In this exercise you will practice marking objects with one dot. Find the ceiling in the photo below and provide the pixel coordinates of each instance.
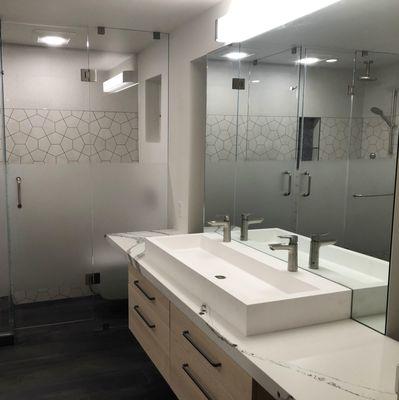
(113, 40)
(150, 15)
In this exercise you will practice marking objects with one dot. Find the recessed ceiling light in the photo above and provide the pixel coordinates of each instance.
(255, 81)
(53, 40)
(309, 60)
(236, 55)
(332, 60)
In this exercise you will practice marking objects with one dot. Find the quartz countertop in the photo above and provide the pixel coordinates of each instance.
(341, 360)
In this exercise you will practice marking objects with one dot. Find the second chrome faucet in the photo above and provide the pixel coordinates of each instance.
(246, 221)
(292, 248)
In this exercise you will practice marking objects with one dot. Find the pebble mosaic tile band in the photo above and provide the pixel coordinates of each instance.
(66, 136)
(274, 138)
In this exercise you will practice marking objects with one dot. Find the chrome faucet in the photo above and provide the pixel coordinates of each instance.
(317, 241)
(245, 222)
(226, 224)
(292, 248)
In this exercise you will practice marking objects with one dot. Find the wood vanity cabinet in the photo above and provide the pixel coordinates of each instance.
(194, 366)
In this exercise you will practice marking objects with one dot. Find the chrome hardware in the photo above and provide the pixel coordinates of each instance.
(309, 186)
(245, 222)
(88, 75)
(19, 192)
(292, 248)
(359, 196)
(187, 336)
(137, 284)
(148, 323)
(289, 174)
(187, 370)
(226, 224)
(317, 241)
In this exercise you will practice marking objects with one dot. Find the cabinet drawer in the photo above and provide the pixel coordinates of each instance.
(149, 342)
(144, 291)
(210, 367)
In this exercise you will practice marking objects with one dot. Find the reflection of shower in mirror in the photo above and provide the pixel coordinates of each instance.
(391, 122)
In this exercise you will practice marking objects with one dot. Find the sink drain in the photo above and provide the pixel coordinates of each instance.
(220, 277)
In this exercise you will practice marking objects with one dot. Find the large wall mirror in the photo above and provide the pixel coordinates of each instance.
(305, 136)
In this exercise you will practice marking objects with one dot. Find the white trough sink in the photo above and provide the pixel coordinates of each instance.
(250, 290)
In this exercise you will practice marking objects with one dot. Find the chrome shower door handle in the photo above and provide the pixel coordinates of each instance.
(309, 184)
(289, 174)
(19, 192)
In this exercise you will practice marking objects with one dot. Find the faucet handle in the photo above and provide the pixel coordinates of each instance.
(293, 239)
(245, 217)
(318, 236)
(226, 217)
(225, 221)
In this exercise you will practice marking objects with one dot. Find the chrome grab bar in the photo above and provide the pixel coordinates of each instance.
(19, 192)
(360, 196)
(288, 192)
(308, 190)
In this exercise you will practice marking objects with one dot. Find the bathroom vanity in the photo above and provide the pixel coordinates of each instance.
(180, 315)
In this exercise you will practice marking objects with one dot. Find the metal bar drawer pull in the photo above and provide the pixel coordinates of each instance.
(186, 369)
(148, 323)
(187, 336)
(137, 284)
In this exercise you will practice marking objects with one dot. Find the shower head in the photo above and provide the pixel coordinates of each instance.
(380, 113)
(367, 74)
(376, 110)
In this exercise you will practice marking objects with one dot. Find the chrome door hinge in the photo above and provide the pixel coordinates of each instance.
(88, 75)
(351, 90)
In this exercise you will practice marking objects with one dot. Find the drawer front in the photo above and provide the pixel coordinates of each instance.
(149, 342)
(151, 319)
(210, 366)
(144, 291)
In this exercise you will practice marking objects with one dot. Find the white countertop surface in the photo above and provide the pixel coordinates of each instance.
(339, 360)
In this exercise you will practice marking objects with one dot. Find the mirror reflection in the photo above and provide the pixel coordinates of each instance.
(306, 144)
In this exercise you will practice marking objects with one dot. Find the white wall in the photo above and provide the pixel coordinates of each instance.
(42, 77)
(325, 93)
(187, 106)
(152, 62)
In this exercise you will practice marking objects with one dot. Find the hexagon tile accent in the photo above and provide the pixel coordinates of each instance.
(66, 136)
(258, 137)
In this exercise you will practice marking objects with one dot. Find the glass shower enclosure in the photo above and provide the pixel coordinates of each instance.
(78, 164)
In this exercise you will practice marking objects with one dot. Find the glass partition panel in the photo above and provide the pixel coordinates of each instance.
(48, 173)
(129, 136)
(225, 85)
(371, 180)
(5, 289)
(266, 178)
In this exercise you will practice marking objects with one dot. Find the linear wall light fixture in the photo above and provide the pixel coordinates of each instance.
(121, 81)
(249, 18)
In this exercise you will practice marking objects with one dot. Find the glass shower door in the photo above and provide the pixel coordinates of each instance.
(6, 320)
(326, 128)
(49, 183)
(266, 182)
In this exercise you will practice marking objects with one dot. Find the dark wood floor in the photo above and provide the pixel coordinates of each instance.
(79, 361)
